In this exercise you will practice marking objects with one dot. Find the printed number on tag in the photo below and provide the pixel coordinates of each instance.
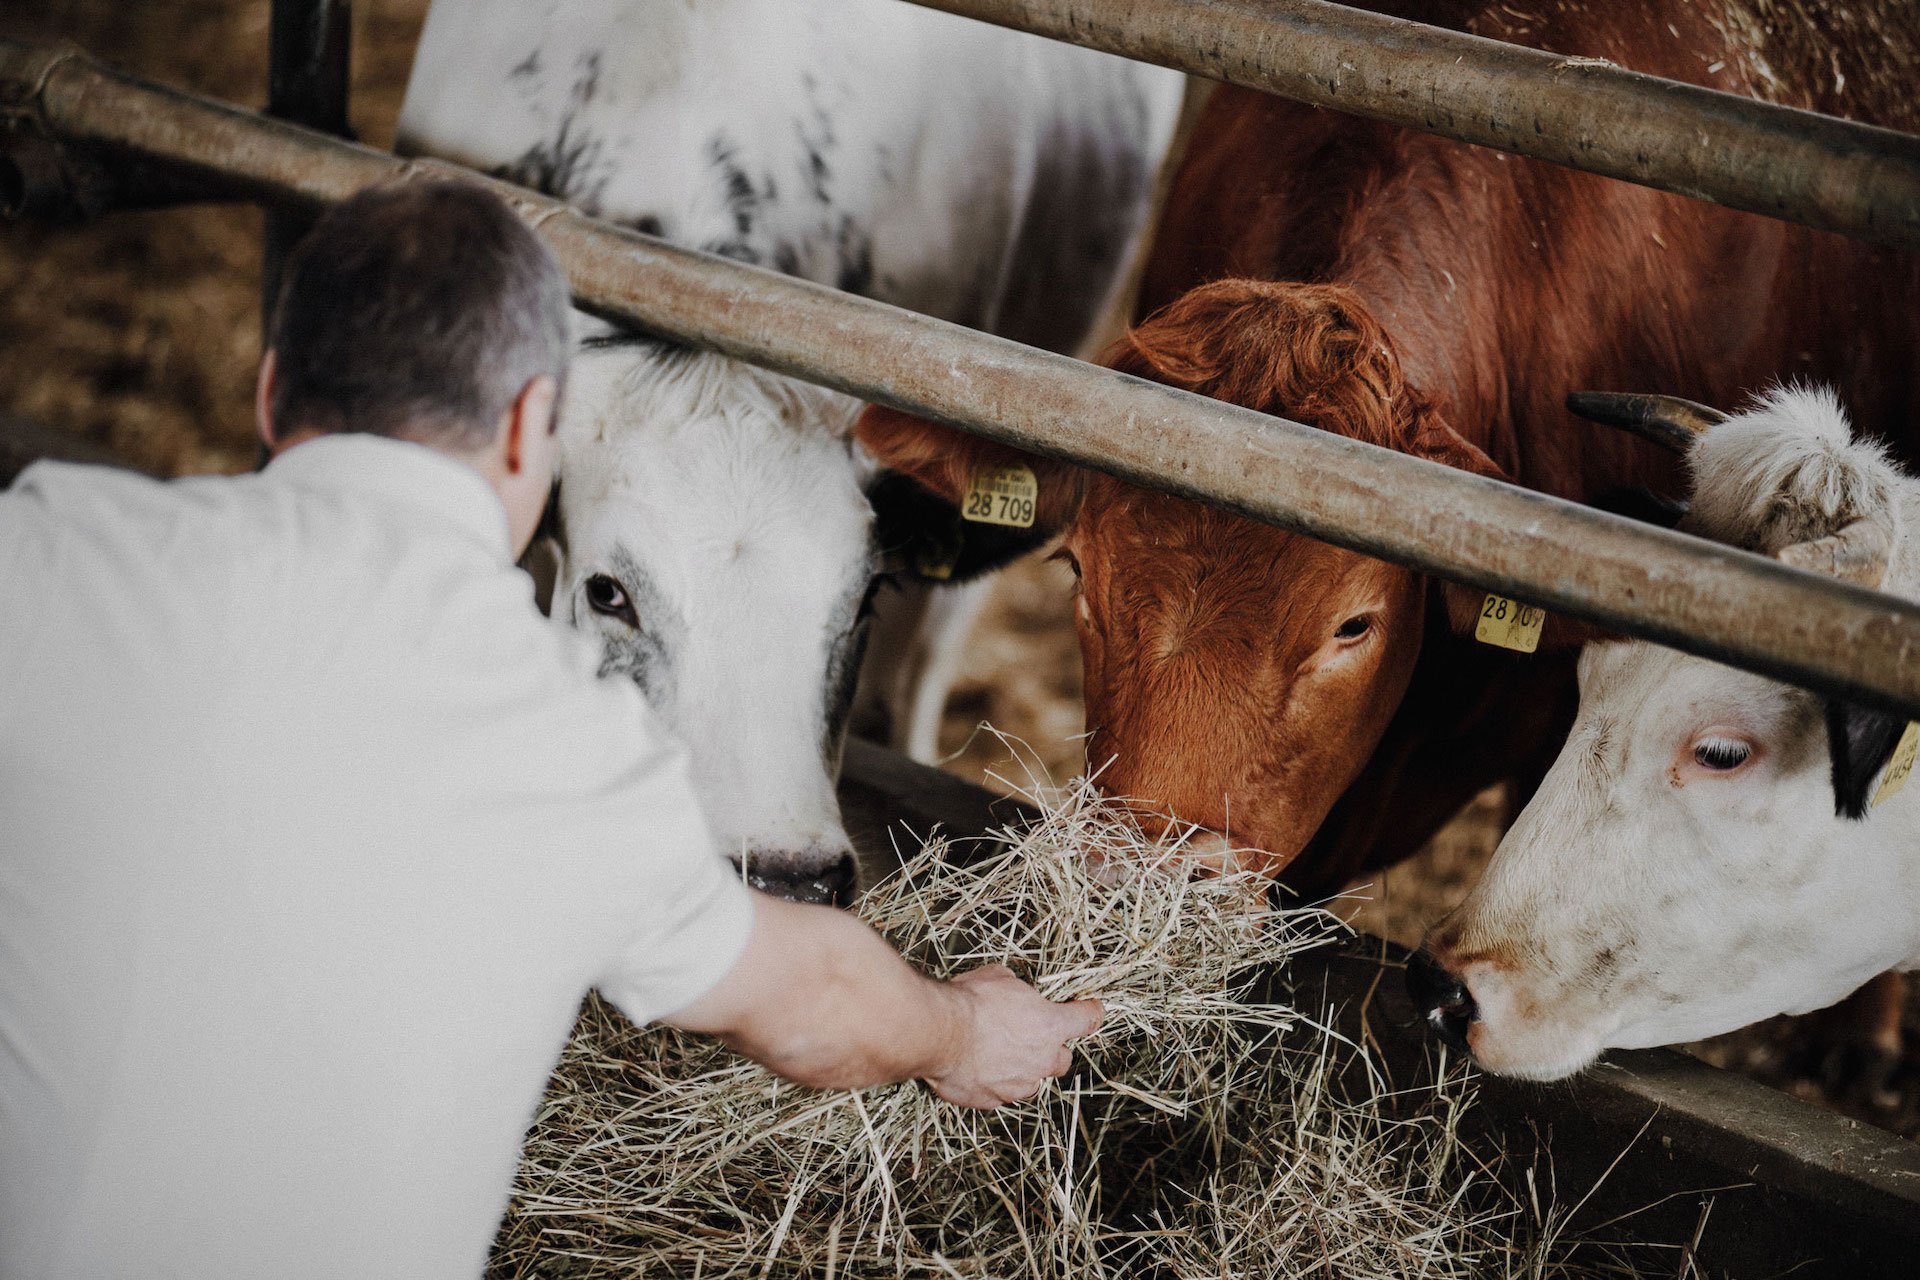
(1899, 765)
(1509, 624)
(1004, 495)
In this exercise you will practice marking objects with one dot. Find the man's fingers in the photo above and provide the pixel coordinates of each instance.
(1080, 1018)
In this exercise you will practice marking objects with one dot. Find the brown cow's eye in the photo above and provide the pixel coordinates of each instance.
(1721, 754)
(608, 597)
(1354, 628)
(1072, 561)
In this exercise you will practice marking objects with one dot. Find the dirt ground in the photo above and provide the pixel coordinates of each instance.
(141, 332)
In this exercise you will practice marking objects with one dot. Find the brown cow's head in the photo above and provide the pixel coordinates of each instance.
(1237, 674)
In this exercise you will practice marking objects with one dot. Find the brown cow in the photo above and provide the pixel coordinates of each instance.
(1439, 299)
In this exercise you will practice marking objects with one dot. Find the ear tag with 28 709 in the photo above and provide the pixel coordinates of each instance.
(1002, 495)
(1509, 624)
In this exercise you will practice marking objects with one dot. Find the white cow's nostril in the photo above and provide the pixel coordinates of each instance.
(814, 875)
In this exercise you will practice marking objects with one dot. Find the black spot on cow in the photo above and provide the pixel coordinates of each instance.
(649, 224)
(738, 250)
(856, 258)
(817, 173)
(736, 188)
(644, 656)
(569, 167)
(586, 85)
(571, 164)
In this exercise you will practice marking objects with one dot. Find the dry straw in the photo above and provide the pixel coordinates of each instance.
(1202, 1134)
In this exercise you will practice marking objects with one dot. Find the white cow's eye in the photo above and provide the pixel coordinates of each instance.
(1721, 754)
(606, 596)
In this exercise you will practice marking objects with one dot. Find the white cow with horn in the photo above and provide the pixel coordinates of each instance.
(718, 531)
(1711, 847)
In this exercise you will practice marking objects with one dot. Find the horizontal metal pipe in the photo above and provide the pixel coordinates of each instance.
(1585, 113)
(1686, 592)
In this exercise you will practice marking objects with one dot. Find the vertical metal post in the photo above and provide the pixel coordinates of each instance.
(308, 44)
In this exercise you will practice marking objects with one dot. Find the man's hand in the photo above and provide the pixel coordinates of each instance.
(1012, 1039)
(822, 999)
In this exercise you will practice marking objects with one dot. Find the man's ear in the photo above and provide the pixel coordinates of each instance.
(263, 389)
(930, 472)
(1861, 742)
(530, 419)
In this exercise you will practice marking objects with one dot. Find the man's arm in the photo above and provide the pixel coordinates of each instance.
(820, 998)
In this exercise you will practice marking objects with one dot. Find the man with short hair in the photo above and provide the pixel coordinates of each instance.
(313, 832)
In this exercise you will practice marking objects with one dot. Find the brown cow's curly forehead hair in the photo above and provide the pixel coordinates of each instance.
(1310, 352)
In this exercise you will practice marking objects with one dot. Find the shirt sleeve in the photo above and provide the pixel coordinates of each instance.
(698, 914)
(695, 941)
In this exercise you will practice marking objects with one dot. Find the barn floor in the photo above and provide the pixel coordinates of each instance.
(141, 332)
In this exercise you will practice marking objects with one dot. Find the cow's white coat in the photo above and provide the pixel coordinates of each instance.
(948, 166)
(1643, 898)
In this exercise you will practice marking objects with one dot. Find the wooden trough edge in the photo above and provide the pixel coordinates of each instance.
(1792, 1187)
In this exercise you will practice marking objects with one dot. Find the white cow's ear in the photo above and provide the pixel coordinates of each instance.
(921, 535)
(1861, 742)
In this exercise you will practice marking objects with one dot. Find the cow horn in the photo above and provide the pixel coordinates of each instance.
(1858, 553)
(1668, 421)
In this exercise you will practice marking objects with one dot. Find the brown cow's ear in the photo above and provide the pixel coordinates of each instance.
(1636, 502)
(946, 461)
(1432, 439)
(1435, 441)
(918, 509)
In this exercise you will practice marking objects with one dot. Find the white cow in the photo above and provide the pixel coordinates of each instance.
(1706, 851)
(718, 529)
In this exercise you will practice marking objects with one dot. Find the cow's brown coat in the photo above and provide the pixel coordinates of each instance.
(1440, 299)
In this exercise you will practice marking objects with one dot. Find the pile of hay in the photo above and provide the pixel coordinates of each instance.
(1200, 1134)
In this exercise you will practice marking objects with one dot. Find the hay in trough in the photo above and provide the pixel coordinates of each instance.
(1203, 1133)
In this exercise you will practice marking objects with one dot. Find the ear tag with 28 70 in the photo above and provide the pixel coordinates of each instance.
(1509, 624)
(1002, 495)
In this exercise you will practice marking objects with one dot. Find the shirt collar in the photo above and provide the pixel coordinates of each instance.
(401, 472)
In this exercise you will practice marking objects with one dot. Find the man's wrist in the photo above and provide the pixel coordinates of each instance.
(952, 1033)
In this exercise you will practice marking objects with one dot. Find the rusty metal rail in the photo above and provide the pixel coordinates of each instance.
(309, 65)
(1584, 113)
(1683, 591)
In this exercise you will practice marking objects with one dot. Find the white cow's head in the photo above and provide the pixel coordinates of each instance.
(718, 531)
(1705, 851)
(715, 538)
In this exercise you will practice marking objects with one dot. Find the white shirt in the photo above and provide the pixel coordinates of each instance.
(313, 833)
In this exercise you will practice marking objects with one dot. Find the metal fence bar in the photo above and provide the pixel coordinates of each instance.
(1686, 592)
(1585, 113)
(309, 72)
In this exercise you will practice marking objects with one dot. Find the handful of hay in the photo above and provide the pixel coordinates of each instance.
(1200, 1134)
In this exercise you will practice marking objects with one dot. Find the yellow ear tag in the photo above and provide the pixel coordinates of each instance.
(1003, 495)
(1899, 765)
(937, 565)
(1509, 624)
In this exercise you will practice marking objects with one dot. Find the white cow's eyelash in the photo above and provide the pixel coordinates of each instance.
(1721, 753)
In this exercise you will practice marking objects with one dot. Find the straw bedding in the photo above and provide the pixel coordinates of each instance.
(1201, 1134)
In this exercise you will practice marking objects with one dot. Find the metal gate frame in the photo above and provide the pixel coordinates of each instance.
(1679, 590)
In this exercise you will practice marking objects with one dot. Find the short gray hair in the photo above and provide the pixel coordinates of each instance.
(421, 308)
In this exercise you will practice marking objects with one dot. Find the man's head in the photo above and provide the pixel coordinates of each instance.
(426, 311)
